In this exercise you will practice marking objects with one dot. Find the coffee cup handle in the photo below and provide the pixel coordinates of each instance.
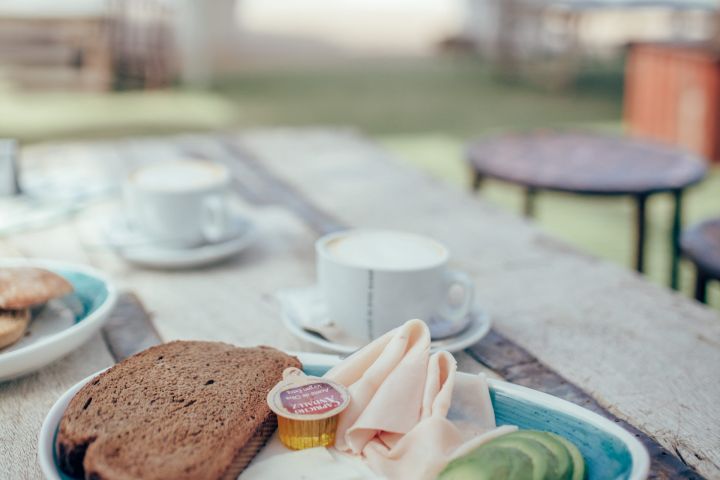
(215, 218)
(457, 313)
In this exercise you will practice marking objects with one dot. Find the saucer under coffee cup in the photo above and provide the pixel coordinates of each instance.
(373, 280)
(180, 203)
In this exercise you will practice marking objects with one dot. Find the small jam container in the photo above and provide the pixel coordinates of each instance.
(307, 409)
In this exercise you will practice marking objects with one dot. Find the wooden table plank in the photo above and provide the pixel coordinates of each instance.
(645, 354)
(129, 329)
(517, 365)
(503, 356)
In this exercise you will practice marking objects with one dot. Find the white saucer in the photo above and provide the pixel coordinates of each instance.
(139, 250)
(477, 327)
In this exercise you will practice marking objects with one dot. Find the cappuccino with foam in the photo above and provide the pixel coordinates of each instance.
(385, 250)
(375, 280)
(180, 203)
(179, 175)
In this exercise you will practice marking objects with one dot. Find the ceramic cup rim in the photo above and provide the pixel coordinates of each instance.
(322, 251)
(222, 182)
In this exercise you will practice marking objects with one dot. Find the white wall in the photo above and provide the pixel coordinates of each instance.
(366, 26)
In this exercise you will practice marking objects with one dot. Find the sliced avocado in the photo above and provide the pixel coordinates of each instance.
(521, 455)
(490, 464)
(560, 452)
(543, 461)
(577, 458)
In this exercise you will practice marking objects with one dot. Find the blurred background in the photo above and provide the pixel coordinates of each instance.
(421, 77)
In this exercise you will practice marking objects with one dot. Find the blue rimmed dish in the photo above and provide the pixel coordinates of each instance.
(610, 452)
(62, 325)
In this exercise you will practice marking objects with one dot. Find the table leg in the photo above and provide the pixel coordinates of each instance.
(529, 205)
(701, 286)
(477, 180)
(675, 240)
(640, 233)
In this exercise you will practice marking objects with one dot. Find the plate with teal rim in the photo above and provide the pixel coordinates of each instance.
(62, 325)
(610, 452)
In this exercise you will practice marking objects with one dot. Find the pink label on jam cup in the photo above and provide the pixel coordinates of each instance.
(311, 399)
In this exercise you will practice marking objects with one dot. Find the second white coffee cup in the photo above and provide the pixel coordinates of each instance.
(181, 203)
(375, 280)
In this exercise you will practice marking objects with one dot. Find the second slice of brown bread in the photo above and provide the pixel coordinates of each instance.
(182, 410)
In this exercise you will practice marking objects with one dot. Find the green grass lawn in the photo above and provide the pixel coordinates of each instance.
(423, 110)
(42, 116)
(458, 97)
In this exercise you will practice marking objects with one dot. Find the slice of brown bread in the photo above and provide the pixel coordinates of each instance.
(13, 324)
(23, 287)
(182, 410)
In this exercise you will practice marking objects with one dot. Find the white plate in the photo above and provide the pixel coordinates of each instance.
(145, 254)
(609, 451)
(64, 324)
(478, 326)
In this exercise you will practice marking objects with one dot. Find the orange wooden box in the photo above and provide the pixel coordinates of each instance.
(672, 94)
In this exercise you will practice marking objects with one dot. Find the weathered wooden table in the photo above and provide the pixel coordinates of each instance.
(591, 164)
(565, 322)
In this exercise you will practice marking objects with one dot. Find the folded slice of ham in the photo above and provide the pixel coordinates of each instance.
(400, 400)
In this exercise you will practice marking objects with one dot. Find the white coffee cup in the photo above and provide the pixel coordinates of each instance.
(180, 203)
(375, 280)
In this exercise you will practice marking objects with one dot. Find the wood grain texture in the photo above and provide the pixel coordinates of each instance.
(504, 357)
(129, 328)
(647, 355)
(517, 365)
(232, 302)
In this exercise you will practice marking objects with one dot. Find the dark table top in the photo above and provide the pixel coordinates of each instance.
(701, 244)
(587, 163)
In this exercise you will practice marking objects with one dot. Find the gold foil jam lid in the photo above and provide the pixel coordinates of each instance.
(300, 397)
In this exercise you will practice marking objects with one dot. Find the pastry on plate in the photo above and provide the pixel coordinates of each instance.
(13, 324)
(20, 289)
(181, 410)
(24, 287)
